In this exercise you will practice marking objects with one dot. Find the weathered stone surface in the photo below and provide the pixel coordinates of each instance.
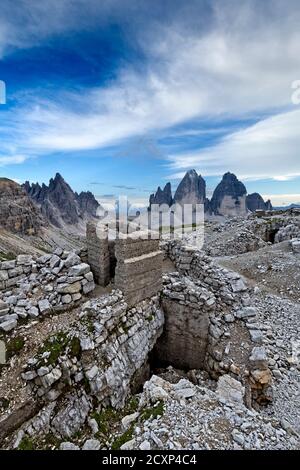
(59, 204)
(72, 260)
(68, 446)
(91, 444)
(79, 270)
(71, 418)
(44, 306)
(8, 325)
(69, 288)
(191, 189)
(230, 389)
(18, 214)
(129, 419)
(229, 197)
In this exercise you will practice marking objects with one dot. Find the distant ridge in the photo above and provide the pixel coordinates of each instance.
(59, 204)
(229, 197)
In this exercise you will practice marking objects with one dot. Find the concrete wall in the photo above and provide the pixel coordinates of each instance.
(139, 268)
(98, 253)
(184, 341)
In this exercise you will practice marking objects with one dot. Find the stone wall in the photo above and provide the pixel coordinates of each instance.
(98, 252)
(32, 287)
(139, 268)
(184, 341)
(212, 307)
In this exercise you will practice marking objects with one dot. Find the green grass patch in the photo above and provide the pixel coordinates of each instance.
(109, 419)
(88, 323)
(4, 403)
(148, 413)
(55, 345)
(52, 441)
(125, 437)
(14, 346)
(75, 348)
(7, 256)
(26, 444)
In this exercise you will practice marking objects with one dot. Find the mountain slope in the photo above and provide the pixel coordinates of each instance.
(60, 205)
(18, 214)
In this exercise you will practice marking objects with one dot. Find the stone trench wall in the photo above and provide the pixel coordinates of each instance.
(134, 260)
(139, 268)
(221, 331)
(100, 356)
(282, 227)
(32, 287)
(98, 252)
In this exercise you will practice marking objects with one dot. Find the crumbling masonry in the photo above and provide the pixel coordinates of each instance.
(138, 271)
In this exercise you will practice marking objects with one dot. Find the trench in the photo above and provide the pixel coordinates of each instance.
(182, 345)
(271, 234)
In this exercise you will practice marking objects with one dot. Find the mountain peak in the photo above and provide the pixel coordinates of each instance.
(231, 193)
(191, 189)
(59, 204)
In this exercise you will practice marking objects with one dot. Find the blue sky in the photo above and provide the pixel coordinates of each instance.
(120, 96)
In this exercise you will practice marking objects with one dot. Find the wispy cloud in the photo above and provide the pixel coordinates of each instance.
(121, 186)
(240, 63)
(268, 149)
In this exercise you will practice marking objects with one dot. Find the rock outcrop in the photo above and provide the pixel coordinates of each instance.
(191, 189)
(162, 196)
(268, 205)
(18, 214)
(255, 202)
(59, 204)
(229, 197)
(87, 203)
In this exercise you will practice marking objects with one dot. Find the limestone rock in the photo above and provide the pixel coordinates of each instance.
(230, 389)
(229, 197)
(91, 444)
(162, 196)
(191, 190)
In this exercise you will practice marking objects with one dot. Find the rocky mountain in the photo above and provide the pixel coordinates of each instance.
(87, 203)
(162, 196)
(255, 202)
(59, 204)
(18, 214)
(229, 197)
(191, 189)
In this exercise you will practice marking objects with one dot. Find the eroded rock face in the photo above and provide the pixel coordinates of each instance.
(87, 203)
(229, 197)
(191, 190)
(59, 204)
(18, 213)
(113, 343)
(255, 202)
(162, 196)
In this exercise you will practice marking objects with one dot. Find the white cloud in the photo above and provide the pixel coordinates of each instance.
(12, 159)
(268, 149)
(241, 64)
(283, 199)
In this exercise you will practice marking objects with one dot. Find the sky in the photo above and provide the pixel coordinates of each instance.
(121, 96)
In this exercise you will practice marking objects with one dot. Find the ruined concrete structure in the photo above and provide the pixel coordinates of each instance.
(98, 253)
(134, 261)
(138, 269)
